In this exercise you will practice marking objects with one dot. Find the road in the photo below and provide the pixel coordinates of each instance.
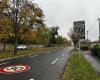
(47, 66)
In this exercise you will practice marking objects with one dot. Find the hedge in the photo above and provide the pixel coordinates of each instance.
(96, 50)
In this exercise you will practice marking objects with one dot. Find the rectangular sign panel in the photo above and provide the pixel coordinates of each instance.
(79, 29)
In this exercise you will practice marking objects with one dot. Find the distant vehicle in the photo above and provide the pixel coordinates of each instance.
(85, 44)
(22, 47)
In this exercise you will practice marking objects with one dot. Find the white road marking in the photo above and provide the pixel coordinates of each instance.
(55, 61)
(47, 52)
(34, 56)
(4, 63)
(31, 79)
(63, 54)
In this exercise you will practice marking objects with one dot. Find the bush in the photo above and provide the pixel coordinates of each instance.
(96, 50)
(85, 48)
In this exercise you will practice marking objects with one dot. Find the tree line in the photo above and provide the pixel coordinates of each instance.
(22, 21)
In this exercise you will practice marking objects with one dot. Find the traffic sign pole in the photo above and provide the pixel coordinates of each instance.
(79, 48)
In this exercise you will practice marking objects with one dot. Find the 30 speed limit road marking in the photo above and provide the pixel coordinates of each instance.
(14, 69)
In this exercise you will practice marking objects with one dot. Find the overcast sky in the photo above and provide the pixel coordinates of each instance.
(64, 12)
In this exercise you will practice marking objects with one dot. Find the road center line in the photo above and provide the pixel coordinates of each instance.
(4, 63)
(63, 54)
(55, 61)
(31, 79)
(34, 56)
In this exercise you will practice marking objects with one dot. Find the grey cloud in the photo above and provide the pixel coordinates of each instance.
(64, 12)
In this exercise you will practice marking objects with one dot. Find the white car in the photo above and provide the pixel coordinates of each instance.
(22, 47)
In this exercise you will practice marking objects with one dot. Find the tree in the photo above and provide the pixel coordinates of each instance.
(43, 36)
(5, 23)
(3, 5)
(73, 37)
(29, 36)
(5, 30)
(24, 14)
(54, 33)
(61, 41)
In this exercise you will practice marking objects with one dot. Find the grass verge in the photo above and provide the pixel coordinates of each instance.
(79, 69)
(27, 52)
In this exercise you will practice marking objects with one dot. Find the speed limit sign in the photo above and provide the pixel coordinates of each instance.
(14, 69)
(79, 29)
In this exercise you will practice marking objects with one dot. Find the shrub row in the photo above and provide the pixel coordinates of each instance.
(96, 50)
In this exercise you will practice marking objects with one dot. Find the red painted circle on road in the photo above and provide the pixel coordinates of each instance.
(14, 69)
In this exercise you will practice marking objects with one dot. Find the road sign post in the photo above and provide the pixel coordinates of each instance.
(79, 48)
(79, 30)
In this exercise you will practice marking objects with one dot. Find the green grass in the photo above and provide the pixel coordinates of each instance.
(26, 52)
(79, 69)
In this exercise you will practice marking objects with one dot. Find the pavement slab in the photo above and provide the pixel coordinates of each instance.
(93, 61)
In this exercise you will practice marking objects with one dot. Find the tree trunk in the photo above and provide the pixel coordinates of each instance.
(4, 46)
(75, 46)
(15, 46)
(43, 43)
(36, 44)
(16, 31)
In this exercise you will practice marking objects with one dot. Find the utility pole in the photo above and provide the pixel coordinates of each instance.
(99, 28)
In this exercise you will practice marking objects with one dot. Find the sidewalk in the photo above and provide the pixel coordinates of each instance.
(93, 61)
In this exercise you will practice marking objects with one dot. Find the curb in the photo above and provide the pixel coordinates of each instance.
(67, 63)
(27, 55)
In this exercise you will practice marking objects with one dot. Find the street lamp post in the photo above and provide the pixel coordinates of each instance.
(99, 28)
(87, 34)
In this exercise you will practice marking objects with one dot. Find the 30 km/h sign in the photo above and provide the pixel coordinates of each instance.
(14, 69)
(79, 29)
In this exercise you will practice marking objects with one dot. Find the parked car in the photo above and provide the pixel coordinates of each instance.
(22, 47)
(85, 45)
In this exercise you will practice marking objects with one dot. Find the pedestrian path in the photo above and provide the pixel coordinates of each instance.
(93, 61)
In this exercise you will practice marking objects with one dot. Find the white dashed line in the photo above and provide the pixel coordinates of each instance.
(55, 61)
(31, 79)
(47, 52)
(34, 56)
(4, 63)
(63, 54)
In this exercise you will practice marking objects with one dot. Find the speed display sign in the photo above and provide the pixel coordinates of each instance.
(14, 69)
(79, 29)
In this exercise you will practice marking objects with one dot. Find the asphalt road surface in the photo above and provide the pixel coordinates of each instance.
(48, 66)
